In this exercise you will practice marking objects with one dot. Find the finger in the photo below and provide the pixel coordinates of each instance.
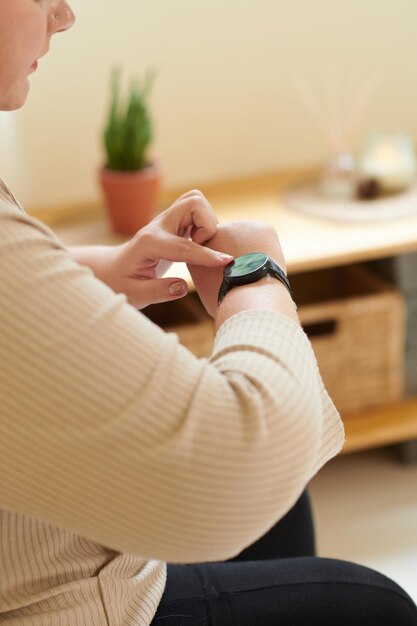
(203, 234)
(192, 192)
(142, 293)
(174, 248)
(192, 215)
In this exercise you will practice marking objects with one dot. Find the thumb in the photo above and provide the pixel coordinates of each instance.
(142, 292)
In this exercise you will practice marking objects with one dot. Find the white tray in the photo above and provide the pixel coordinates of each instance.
(305, 196)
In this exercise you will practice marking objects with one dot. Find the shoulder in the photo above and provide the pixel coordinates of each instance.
(15, 222)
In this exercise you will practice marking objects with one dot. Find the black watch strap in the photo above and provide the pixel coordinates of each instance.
(224, 288)
(281, 275)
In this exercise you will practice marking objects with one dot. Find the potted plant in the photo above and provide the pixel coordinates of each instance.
(130, 182)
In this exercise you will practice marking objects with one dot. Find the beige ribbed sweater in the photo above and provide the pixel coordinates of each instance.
(120, 450)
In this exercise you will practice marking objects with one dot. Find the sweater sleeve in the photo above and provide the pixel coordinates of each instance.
(111, 429)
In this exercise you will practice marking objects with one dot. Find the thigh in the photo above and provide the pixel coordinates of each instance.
(292, 535)
(292, 592)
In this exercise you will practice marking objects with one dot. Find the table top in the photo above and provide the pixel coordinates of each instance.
(309, 242)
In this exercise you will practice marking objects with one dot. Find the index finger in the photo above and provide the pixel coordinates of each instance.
(176, 249)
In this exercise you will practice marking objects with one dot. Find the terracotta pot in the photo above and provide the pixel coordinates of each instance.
(132, 198)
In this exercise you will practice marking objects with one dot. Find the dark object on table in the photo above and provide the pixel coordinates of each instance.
(368, 189)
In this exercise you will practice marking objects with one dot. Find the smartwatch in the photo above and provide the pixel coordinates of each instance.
(250, 268)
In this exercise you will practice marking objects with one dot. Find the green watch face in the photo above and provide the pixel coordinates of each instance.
(246, 264)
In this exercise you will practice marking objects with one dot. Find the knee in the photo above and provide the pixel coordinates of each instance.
(360, 595)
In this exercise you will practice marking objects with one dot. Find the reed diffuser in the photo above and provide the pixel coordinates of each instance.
(338, 113)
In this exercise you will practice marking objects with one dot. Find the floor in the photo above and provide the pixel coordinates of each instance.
(365, 508)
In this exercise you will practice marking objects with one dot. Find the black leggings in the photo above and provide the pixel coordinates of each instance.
(279, 581)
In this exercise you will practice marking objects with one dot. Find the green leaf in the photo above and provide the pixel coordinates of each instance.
(128, 132)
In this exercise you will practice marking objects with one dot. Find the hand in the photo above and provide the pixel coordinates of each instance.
(135, 268)
(235, 238)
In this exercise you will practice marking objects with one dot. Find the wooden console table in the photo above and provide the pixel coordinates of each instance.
(309, 243)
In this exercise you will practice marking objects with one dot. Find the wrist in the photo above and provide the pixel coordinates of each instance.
(250, 268)
(266, 293)
(98, 258)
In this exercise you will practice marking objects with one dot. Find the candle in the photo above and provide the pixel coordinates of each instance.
(389, 158)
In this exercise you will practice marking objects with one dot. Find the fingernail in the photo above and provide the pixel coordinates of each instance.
(225, 257)
(177, 289)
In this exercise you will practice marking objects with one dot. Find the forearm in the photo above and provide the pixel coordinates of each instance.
(267, 293)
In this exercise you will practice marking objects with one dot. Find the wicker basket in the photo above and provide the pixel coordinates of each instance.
(402, 272)
(355, 321)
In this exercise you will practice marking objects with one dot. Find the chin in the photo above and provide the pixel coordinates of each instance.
(10, 107)
(14, 101)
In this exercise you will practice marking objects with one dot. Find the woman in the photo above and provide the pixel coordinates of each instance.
(120, 451)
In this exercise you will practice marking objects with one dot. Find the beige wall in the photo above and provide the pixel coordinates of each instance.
(224, 102)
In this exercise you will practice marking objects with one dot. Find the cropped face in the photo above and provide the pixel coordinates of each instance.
(26, 27)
